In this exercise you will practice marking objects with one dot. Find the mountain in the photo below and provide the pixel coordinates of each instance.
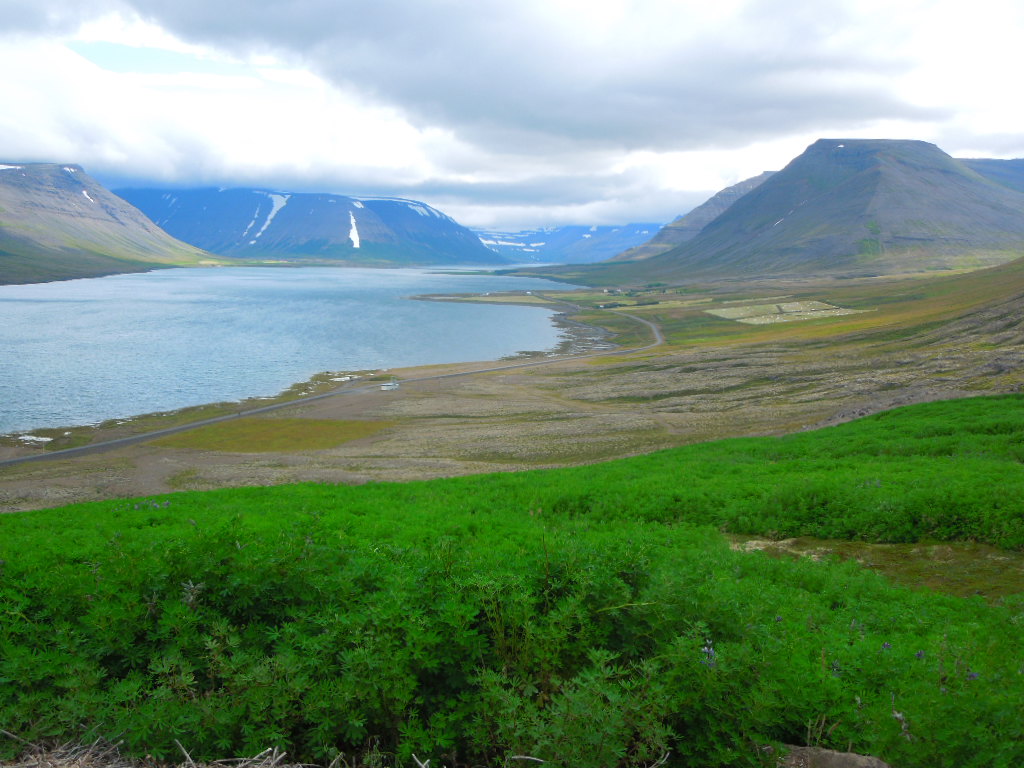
(58, 223)
(689, 226)
(1009, 173)
(848, 207)
(566, 245)
(260, 224)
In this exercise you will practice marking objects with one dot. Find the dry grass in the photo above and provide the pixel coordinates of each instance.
(270, 435)
(103, 754)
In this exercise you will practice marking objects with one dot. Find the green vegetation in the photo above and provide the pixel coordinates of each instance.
(956, 568)
(590, 616)
(256, 435)
(869, 246)
(24, 262)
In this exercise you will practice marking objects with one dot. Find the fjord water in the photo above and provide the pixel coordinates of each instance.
(82, 351)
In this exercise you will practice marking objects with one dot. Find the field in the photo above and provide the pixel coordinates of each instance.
(254, 435)
(589, 616)
(912, 340)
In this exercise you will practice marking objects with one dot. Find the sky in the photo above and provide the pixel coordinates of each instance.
(505, 115)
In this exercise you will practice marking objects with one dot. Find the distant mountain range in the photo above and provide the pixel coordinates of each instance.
(567, 245)
(844, 207)
(850, 207)
(264, 225)
(58, 223)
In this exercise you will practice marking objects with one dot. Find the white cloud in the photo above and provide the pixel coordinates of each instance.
(519, 112)
(196, 125)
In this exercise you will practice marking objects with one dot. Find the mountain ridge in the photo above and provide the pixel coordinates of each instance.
(1009, 173)
(253, 223)
(569, 244)
(847, 207)
(689, 225)
(58, 223)
(834, 175)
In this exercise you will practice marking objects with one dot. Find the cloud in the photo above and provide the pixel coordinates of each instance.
(505, 109)
(538, 75)
(548, 75)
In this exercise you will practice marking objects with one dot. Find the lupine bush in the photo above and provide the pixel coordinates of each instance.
(581, 616)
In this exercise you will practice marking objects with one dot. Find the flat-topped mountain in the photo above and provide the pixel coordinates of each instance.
(260, 224)
(572, 244)
(688, 226)
(58, 223)
(851, 207)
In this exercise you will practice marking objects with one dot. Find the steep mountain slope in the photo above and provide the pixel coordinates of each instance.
(567, 245)
(259, 224)
(1009, 173)
(58, 223)
(687, 227)
(862, 206)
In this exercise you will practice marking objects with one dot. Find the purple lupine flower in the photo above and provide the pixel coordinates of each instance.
(709, 654)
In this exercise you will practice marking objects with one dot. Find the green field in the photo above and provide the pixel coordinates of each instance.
(261, 435)
(591, 616)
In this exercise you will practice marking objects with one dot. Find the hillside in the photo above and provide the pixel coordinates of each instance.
(568, 244)
(688, 226)
(58, 223)
(847, 208)
(1009, 173)
(593, 617)
(259, 224)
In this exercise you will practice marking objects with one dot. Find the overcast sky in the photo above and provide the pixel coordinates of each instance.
(510, 114)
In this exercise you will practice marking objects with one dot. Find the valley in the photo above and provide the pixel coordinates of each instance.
(907, 340)
(783, 515)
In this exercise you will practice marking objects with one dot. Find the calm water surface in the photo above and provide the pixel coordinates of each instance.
(81, 351)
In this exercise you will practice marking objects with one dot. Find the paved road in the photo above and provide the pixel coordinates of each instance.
(122, 442)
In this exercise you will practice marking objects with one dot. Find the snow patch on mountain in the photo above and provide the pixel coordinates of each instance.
(353, 233)
(251, 224)
(572, 244)
(277, 202)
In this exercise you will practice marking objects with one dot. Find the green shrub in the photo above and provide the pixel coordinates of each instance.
(581, 616)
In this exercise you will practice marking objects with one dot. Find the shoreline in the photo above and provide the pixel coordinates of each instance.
(50, 442)
(582, 337)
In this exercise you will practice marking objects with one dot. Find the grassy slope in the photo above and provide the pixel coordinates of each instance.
(57, 223)
(896, 307)
(22, 262)
(579, 614)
